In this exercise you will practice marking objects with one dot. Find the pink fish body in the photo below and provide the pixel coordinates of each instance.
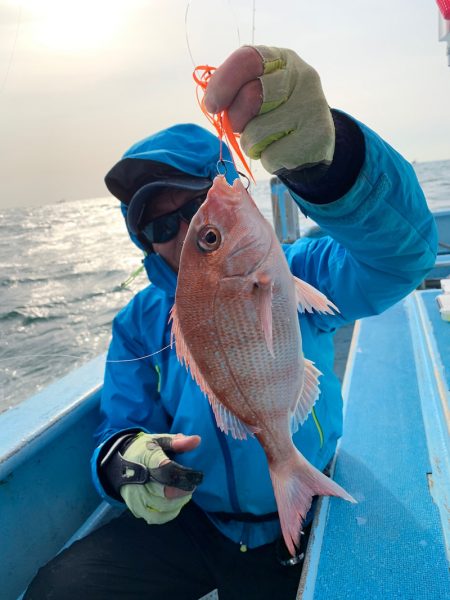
(235, 325)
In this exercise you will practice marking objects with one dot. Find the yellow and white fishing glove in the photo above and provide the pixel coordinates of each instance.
(276, 101)
(294, 127)
(169, 485)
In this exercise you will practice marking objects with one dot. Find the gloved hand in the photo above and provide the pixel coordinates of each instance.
(155, 502)
(276, 100)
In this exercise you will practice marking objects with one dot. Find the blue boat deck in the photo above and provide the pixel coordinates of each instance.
(394, 459)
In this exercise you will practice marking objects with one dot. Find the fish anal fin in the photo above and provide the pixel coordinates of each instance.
(225, 419)
(309, 393)
(309, 298)
(230, 423)
(263, 292)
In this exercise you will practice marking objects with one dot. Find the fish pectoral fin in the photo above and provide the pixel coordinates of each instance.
(309, 299)
(263, 293)
(309, 393)
(230, 423)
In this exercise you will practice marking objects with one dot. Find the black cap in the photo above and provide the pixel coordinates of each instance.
(141, 200)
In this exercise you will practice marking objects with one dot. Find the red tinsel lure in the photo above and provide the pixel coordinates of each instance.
(220, 121)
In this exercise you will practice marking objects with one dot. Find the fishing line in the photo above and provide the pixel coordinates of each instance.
(186, 14)
(55, 354)
(13, 49)
(187, 34)
(127, 360)
(122, 360)
(220, 121)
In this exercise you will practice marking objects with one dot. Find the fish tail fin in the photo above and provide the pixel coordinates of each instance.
(295, 483)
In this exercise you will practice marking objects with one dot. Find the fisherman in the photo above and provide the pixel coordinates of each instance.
(207, 518)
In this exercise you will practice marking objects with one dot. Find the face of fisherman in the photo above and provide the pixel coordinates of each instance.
(167, 202)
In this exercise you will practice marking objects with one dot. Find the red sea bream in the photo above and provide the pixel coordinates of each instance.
(245, 352)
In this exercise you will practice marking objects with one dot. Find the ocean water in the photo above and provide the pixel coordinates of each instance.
(61, 269)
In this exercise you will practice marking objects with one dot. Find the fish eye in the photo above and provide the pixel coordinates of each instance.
(209, 238)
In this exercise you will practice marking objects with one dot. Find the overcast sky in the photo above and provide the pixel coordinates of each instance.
(82, 80)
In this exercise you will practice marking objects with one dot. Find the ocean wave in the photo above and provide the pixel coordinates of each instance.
(14, 280)
(28, 316)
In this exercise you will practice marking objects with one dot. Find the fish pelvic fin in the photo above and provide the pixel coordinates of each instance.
(263, 291)
(225, 419)
(309, 299)
(295, 483)
(308, 395)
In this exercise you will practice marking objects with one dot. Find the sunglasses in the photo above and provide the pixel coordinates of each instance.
(165, 228)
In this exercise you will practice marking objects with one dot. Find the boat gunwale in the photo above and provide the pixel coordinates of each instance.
(44, 416)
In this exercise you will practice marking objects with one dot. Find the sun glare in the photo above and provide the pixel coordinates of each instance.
(71, 26)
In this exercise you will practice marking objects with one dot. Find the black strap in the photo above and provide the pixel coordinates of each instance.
(117, 469)
(121, 471)
(245, 517)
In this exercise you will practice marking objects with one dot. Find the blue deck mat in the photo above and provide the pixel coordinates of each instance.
(441, 331)
(390, 545)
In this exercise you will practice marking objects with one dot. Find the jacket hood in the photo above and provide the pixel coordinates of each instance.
(181, 149)
(161, 274)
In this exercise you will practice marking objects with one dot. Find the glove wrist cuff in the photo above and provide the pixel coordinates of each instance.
(109, 463)
(121, 471)
(323, 184)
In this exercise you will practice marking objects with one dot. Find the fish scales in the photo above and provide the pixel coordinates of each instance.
(235, 326)
(253, 359)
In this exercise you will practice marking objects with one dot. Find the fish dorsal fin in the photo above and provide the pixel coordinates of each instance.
(309, 299)
(309, 393)
(263, 292)
(225, 420)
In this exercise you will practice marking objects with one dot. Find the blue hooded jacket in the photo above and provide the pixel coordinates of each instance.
(382, 241)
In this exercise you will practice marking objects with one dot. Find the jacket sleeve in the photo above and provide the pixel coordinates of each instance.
(130, 398)
(381, 240)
